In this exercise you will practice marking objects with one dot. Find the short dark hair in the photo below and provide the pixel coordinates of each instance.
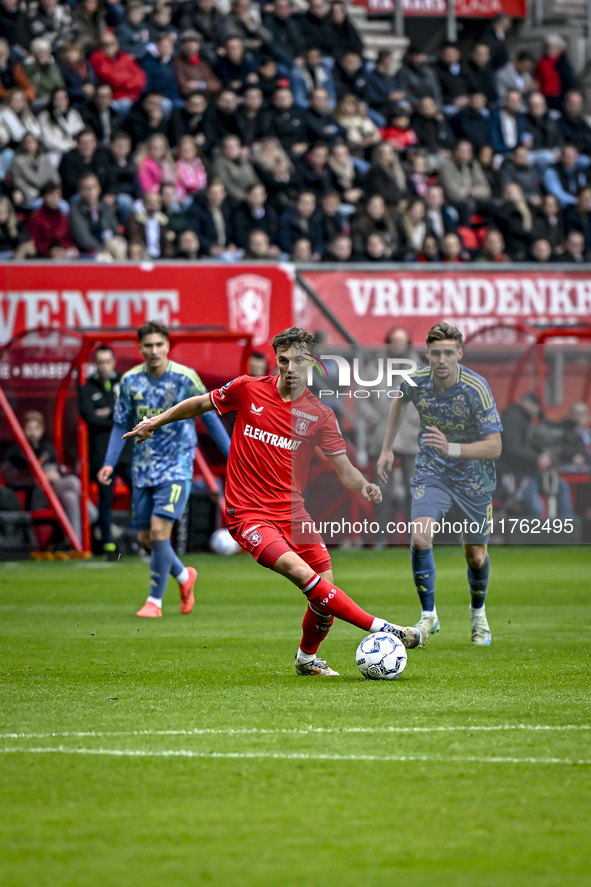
(524, 56)
(103, 348)
(293, 336)
(258, 355)
(49, 188)
(85, 132)
(152, 326)
(120, 134)
(443, 330)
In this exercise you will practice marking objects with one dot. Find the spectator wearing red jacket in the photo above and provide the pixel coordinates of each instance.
(49, 227)
(554, 73)
(398, 132)
(120, 71)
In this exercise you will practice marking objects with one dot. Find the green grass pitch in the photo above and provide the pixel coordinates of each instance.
(185, 751)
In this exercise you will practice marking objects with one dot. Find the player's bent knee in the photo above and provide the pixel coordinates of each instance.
(290, 565)
(160, 530)
(475, 555)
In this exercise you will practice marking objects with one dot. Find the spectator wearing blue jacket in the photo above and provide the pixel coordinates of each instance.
(382, 93)
(157, 64)
(133, 33)
(565, 179)
(508, 124)
(314, 73)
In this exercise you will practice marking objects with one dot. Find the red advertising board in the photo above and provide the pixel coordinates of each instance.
(252, 299)
(368, 303)
(438, 8)
(257, 299)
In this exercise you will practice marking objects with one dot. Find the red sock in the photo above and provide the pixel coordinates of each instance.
(330, 600)
(314, 630)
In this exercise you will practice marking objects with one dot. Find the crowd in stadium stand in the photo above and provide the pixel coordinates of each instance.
(192, 130)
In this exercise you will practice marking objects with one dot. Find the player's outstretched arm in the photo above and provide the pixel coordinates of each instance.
(186, 409)
(352, 478)
(395, 419)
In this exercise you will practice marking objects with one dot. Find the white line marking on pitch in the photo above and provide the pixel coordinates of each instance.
(296, 756)
(300, 731)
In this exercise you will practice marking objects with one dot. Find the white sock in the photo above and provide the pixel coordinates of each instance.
(429, 612)
(155, 600)
(304, 658)
(474, 612)
(378, 624)
(182, 577)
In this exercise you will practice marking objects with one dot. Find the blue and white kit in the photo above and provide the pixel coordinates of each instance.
(465, 413)
(162, 467)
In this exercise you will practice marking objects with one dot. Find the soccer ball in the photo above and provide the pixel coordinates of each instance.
(381, 657)
(222, 543)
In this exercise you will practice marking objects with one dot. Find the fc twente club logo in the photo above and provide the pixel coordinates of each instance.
(301, 426)
(249, 304)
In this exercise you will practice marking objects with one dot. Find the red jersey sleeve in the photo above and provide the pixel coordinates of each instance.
(227, 398)
(330, 440)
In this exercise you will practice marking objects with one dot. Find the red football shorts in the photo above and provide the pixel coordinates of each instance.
(255, 532)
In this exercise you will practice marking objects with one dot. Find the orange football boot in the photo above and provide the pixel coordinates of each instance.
(150, 610)
(187, 596)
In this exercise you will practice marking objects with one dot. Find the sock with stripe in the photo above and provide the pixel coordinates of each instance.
(161, 560)
(478, 580)
(423, 571)
(328, 600)
(315, 627)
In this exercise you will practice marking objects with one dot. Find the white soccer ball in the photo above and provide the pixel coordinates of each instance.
(222, 543)
(381, 657)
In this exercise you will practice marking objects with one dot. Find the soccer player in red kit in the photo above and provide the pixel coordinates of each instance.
(279, 423)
